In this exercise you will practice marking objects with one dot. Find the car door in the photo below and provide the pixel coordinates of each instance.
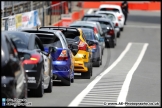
(100, 44)
(46, 63)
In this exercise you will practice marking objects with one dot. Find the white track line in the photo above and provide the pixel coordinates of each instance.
(125, 87)
(81, 96)
(142, 26)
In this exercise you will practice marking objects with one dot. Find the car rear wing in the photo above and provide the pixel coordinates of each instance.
(64, 30)
(59, 28)
(40, 32)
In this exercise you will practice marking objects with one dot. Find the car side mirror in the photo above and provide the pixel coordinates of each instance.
(52, 49)
(101, 39)
(73, 48)
(22, 58)
(74, 51)
(38, 50)
(90, 43)
(45, 53)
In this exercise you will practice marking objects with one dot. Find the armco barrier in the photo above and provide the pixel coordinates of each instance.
(68, 19)
(131, 5)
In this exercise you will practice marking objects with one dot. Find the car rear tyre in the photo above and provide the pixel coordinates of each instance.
(121, 29)
(107, 45)
(66, 81)
(101, 61)
(112, 44)
(72, 80)
(87, 75)
(118, 35)
(97, 63)
(91, 69)
(40, 90)
(49, 89)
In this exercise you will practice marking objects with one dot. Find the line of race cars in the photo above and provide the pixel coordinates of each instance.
(33, 58)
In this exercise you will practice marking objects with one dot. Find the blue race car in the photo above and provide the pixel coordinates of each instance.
(61, 54)
(96, 47)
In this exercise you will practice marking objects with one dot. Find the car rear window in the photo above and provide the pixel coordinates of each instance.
(88, 34)
(87, 17)
(50, 41)
(109, 9)
(109, 16)
(104, 24)
(19, 39)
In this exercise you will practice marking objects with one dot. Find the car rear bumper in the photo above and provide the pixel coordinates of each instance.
(61, 74)
(61, 68)
(33, 79)
(80, 66)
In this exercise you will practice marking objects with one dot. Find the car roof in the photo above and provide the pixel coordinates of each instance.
(93, 15)
(106, 12)
(86, 24)
(100, 19)
(110, 6)
(83, 22)
(43, 31)
(86, 29)
(19, 32)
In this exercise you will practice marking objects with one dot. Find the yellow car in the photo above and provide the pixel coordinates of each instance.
(83, 58)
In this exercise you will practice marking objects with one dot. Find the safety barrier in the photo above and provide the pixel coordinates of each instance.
(65, 21)
(132, 5)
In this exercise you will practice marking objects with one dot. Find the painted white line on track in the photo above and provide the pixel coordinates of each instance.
(124, 91)
(81, 96)
(142, 26)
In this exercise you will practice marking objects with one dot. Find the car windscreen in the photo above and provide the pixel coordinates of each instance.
(109, 16)
(19, 39)
(87, 17)
(110, 9)
(104, 24)
(50, 41)
(88, 34)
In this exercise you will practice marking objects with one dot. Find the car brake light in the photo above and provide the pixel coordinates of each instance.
(95, 30)
(63, 56)
(93, 46)
(111, 32)
(34, 59)
(82, 46)
(119, 17)
(116, 24)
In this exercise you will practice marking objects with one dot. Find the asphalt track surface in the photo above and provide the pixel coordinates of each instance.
(141, 32)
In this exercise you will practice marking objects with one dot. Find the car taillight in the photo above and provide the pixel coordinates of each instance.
(93, 46)
(63, 56)
(111, 32)
(95, 30)
(119, 17)
(82, 46)
(34, 59)
(116, 24)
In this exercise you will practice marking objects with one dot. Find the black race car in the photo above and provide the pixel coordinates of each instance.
(37, 63)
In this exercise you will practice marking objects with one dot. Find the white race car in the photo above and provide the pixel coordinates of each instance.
(116, 9)
(114, 18)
